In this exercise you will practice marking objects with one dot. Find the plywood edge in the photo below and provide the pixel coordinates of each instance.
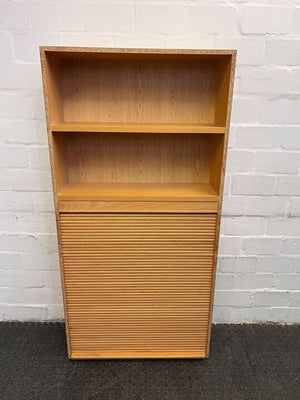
(112, 50)
(136, 354)
(139, 206)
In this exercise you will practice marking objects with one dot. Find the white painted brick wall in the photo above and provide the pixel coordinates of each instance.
(259, 260)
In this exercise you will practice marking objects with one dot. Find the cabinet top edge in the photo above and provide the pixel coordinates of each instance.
(112, 50)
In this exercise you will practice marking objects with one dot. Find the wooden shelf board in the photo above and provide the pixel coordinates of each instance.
(138, 192)
(136, 128)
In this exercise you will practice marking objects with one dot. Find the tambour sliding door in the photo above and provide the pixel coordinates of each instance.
(138, 283)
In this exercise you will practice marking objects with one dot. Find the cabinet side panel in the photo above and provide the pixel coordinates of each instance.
(228, 106)
(57, 181)
(138, 285)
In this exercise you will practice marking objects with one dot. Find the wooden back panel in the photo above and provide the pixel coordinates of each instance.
(138, 158)
(139, 90)
(138, 285)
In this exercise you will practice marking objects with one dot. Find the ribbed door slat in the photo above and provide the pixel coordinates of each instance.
(138, 285)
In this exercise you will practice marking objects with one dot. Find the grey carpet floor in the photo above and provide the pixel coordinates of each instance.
(246, 362)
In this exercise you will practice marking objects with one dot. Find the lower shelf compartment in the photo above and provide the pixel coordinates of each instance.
(138, 192)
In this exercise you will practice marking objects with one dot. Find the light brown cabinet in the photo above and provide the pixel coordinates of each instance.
(138, 142)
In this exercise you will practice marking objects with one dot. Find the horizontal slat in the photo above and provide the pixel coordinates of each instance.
(153, 325)
(193, 297)
(131, 277)
(88, 329)
(135, 342)
(146, 272)
(87, 305)
(136, 282)
(122, 263)
(175, 319)
(137, 334)
(136, 251)
(138, 217)
(98, 269)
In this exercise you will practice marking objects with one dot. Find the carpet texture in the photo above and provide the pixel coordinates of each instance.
(246, 362)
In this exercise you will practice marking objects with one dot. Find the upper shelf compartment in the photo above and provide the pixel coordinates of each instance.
(138, 92)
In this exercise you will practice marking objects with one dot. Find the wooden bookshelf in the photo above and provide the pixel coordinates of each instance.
(137, 141)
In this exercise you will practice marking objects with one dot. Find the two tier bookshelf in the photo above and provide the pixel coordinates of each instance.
(137, 141)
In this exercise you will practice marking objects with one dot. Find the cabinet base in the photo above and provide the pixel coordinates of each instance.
(139, 354)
